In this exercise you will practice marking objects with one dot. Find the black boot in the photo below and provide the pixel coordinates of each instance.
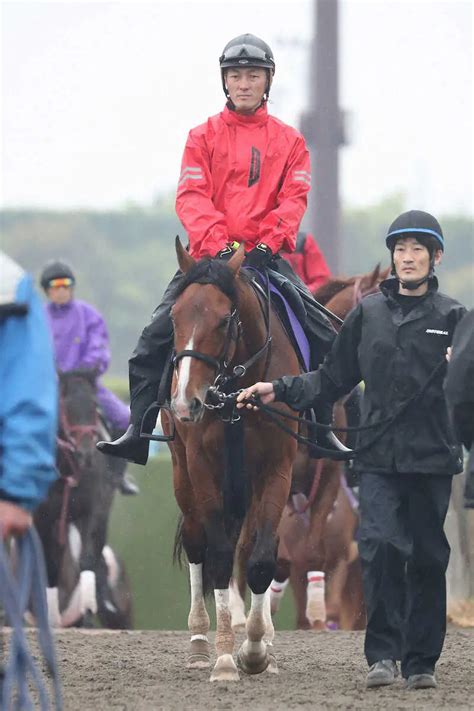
(129, 446)
(326, 438)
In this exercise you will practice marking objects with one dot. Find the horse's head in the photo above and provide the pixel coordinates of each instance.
(341, 294)
(206, 328)
(78, 408)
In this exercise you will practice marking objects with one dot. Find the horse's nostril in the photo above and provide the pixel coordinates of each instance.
(195, 406)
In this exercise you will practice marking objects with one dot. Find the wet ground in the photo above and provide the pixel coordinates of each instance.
(146, 670)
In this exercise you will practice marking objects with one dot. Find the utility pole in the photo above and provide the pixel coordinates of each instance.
(323, 128)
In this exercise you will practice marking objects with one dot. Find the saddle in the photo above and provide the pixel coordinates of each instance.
(291, 311)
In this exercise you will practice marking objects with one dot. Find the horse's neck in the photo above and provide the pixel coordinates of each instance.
(254, 326)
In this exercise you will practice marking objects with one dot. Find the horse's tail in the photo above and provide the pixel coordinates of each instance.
(178, 548)
(235, 487)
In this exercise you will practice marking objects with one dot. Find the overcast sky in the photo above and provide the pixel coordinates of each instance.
(98, 96)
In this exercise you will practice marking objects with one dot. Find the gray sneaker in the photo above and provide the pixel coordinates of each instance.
(421, 681)
(382, 673)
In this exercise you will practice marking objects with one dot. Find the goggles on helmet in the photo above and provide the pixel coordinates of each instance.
(63, 281)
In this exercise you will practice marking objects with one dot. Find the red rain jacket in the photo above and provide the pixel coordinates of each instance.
(308, 262)
(244, 179)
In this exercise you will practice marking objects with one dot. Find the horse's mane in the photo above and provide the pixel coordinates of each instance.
(211, 271)
(332, 287)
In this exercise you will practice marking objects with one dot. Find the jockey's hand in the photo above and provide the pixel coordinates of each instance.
(228, 251)
(258, 257)
(14, 521)
(264, 391)
(449, 353)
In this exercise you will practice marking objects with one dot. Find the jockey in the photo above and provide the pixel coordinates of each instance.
(81, 340)
(245, 176)
(28, 405)
(396, 341)
(308, 262)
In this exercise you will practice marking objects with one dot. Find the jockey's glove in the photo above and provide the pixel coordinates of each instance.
(227, 251)
(259, 257)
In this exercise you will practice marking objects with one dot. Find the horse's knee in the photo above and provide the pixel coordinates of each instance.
(221, 560)
(260, 574)
(262, 563)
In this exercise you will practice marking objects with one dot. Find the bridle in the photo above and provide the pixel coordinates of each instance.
(68, 445)
(217, 398)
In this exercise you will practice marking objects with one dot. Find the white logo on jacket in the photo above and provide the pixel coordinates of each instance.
(437, 332)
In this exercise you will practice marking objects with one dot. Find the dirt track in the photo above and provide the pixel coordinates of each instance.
(145, 670)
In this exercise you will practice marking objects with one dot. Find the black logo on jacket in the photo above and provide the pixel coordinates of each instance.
(254, 173)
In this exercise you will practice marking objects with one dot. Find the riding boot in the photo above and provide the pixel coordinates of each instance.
(327, 438)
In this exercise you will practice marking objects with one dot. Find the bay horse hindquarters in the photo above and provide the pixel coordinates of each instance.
(222, 337)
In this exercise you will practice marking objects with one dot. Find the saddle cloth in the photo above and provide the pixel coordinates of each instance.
(291, 311)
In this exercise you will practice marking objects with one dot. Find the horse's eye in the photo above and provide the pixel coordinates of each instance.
(224, 322)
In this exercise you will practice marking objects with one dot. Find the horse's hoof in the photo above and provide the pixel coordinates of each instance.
(199, 655)
(225, 669)
(319, 626)
(253, 662)
(272, 664)
(198, 661)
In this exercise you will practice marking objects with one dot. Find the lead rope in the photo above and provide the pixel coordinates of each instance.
(16, 594)
(275, 413)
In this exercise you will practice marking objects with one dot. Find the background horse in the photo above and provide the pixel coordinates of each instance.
(317, 529)
(229, 480)
(84, 575)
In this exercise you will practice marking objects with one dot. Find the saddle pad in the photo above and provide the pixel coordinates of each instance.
(288, 318)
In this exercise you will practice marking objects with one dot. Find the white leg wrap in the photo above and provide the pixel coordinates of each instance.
(315, 601)
(52, 599)
(236, 605)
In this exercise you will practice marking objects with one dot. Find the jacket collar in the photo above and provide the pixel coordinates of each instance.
(389, 287)
(234, 119)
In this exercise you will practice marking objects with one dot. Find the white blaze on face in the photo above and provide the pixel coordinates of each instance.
(184, 367)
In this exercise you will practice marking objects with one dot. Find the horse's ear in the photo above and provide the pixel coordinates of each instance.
(235, 262)
(385, 274)
(374, 277)
(185, 261)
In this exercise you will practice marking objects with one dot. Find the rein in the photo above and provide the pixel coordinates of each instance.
(68, 445)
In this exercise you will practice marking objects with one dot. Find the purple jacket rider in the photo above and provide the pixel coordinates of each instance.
(81, 340)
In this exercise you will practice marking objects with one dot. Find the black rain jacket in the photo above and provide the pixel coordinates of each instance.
(394, 355)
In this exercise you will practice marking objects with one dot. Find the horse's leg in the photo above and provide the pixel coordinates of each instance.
(253, 655)
(53, 556)
(194, 543)
(283, 567)
(220, 557)
(315, 544)
(237, 606)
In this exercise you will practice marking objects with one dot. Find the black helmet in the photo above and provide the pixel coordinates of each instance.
(56, 270)
(426, 229)
(415, 223)
(246, 51)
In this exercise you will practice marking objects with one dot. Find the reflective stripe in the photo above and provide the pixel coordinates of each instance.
(303, 179)
(190, 169)
(190, 177)
(302, 172)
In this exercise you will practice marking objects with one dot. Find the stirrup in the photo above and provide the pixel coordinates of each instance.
(153, 437)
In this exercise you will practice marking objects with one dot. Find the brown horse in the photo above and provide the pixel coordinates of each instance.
(311, 545)
(224, 332)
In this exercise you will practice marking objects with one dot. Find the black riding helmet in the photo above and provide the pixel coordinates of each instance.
(56, 269)
(247, 51)
(423, 227)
